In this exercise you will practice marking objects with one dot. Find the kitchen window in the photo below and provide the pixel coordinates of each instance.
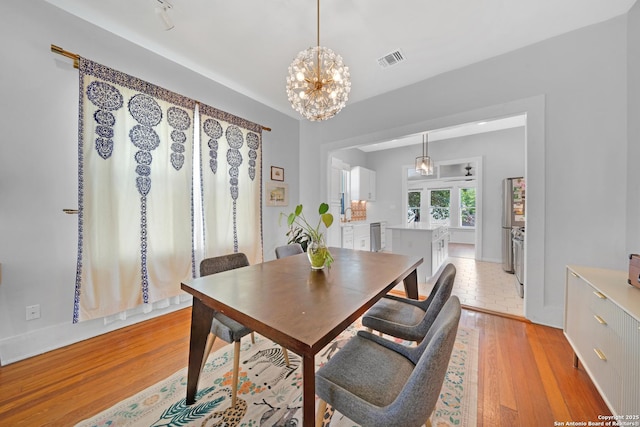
(413, 214)
(467, 207)
(440, 206)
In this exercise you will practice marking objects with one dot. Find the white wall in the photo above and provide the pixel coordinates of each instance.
(38, 164)
(573, 88)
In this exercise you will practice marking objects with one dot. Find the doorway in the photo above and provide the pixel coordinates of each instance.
(537, 306)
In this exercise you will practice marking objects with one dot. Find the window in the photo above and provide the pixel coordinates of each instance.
(413, 213)
(467, 207)
(439, 206)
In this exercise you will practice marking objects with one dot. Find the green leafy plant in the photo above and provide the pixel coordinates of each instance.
(303, 232)
(298, 235)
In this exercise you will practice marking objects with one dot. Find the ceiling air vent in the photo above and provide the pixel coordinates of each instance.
(391, 59)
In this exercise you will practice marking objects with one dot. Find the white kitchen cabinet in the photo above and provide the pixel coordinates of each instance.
(363, 184)
(336, 185)
(602, 324)
(439, 247)
(362, 237)
(419, 239)
(347, 236)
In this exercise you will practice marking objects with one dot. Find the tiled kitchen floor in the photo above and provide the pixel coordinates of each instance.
(483, 285)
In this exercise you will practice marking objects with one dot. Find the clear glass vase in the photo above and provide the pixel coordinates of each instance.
(317, 252)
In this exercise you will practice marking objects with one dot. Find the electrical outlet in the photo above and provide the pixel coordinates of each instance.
(33, 312)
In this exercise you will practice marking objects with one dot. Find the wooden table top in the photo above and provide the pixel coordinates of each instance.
(300, 308)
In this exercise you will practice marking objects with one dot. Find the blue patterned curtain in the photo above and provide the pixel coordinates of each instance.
(135, 192)
(231, 167)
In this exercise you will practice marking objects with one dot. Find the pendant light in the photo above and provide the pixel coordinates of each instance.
(161, 10)
(318, 83)
(424, 165)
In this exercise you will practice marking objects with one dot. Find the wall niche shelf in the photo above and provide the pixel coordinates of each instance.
(449, 170)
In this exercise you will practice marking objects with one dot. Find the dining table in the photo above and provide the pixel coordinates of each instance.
(297, 307)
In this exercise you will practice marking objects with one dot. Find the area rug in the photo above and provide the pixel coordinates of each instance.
(270, 393)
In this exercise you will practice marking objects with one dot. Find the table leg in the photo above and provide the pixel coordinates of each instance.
(411, 285)
(308, 391)
(201, 318)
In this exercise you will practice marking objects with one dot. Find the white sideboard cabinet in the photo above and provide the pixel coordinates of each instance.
(602, 324)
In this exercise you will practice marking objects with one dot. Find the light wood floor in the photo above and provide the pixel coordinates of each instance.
(525, 372)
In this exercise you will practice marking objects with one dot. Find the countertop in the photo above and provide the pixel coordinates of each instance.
(418, 226)
(355, 223)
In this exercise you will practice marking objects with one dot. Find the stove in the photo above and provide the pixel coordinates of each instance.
(518, 237)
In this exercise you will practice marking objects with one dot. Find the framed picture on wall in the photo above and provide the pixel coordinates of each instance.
(277, 173)
(277, 194)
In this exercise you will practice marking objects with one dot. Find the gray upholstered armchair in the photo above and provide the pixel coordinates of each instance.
(288, 250)
(222, 326)
(407, 318)
(380, 383)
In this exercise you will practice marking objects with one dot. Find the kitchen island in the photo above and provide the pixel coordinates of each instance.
(420, 239)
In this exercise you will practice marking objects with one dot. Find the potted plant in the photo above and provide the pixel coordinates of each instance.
(301, 231)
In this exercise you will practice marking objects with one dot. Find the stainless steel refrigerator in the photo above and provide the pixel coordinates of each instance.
(513, 202)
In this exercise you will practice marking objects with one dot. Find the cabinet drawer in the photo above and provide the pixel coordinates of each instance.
(603, 337)
(598, 302)
(604, 333)
(602, 308)
(605, 376)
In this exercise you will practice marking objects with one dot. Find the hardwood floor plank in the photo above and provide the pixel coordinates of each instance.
(509, 417)
(581, 396)
(522, 371)
(541, 349)
(490, 375)
(533, 407)
(506, 387)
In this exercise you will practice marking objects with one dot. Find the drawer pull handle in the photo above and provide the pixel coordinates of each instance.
(600, 295)
(600, 319)
(574, 274)
(600, 354)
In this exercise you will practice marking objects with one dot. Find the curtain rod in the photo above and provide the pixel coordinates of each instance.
(76, 57)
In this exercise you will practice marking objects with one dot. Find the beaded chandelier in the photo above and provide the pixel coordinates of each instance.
(318, 83)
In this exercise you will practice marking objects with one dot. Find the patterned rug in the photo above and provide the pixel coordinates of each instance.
(270, 393)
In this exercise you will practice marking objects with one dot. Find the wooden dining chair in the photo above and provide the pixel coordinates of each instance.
(379, 383)
(222, 326)
(407, 318)
(289, 250)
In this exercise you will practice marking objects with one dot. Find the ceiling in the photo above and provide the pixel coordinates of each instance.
(457, 131)
(248, 45)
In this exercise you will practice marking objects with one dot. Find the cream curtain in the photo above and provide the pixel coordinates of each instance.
(135, 199)
(231, 173)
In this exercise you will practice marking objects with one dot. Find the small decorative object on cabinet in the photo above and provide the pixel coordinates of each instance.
(634, 270)
(602, 324)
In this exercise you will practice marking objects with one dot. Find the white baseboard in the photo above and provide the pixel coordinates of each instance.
(20, 347)
(495, 260)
